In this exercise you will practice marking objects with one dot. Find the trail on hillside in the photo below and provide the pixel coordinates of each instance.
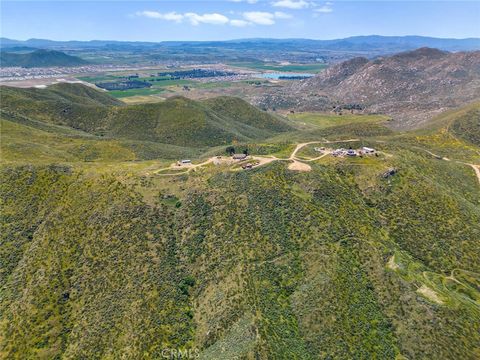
(476, 168)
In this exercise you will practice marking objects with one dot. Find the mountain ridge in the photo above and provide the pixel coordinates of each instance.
(39, 58)
(392, 43)
(176, 121)
(410, 86)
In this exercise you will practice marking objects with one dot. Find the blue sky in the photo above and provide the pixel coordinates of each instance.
(233, 19)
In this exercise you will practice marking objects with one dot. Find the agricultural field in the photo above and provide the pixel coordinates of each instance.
(196, 88)
(159, 85)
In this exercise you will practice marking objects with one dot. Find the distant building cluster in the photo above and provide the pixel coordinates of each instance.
(195, 73)
(20, 73)
(349, 152)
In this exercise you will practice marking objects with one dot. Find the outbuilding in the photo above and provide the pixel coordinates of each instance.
(239, 156)
(368, 150)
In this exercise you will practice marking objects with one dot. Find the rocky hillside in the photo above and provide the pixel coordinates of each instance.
(410, 86)
(425, 80)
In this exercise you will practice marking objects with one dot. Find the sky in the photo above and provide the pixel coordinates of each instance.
(162, 20)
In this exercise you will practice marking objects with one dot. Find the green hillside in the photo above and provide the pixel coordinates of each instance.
(467, 126)
(177, 121)
(105, 255)
(39, 58)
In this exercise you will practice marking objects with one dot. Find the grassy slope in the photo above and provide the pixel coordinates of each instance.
(468, 127)
(265, 263)
(323, 121)
(59, 144)
(177, 121)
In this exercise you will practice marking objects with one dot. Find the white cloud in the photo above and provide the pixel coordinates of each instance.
(171, 16)
(259, 17)
(324, 9)
(263, 17)
(281, 15)
(214, 18)
(248, 18)
(247, 1)
(292, 4)
(193, 18)
(239, 23)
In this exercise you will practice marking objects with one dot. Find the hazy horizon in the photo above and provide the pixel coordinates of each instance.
(156, 21)
(246, 39)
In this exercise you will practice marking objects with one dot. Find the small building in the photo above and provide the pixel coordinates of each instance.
(338, 152)
(367, 150)
(247, 166)
(239, 156)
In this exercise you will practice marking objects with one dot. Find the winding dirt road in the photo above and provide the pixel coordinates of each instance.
(476, 168)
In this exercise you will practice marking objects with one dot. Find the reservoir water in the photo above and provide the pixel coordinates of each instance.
(284, 75)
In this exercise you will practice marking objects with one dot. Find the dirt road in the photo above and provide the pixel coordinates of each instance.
(301, 145)
(476, 168)
(296, 163)
(187, 167)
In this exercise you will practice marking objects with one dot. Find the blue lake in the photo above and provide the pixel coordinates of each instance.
(278, 75)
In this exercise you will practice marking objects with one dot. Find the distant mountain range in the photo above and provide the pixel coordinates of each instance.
(38, 58)
(371, 42)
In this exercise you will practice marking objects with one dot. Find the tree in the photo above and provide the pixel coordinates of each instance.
(230, 150)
